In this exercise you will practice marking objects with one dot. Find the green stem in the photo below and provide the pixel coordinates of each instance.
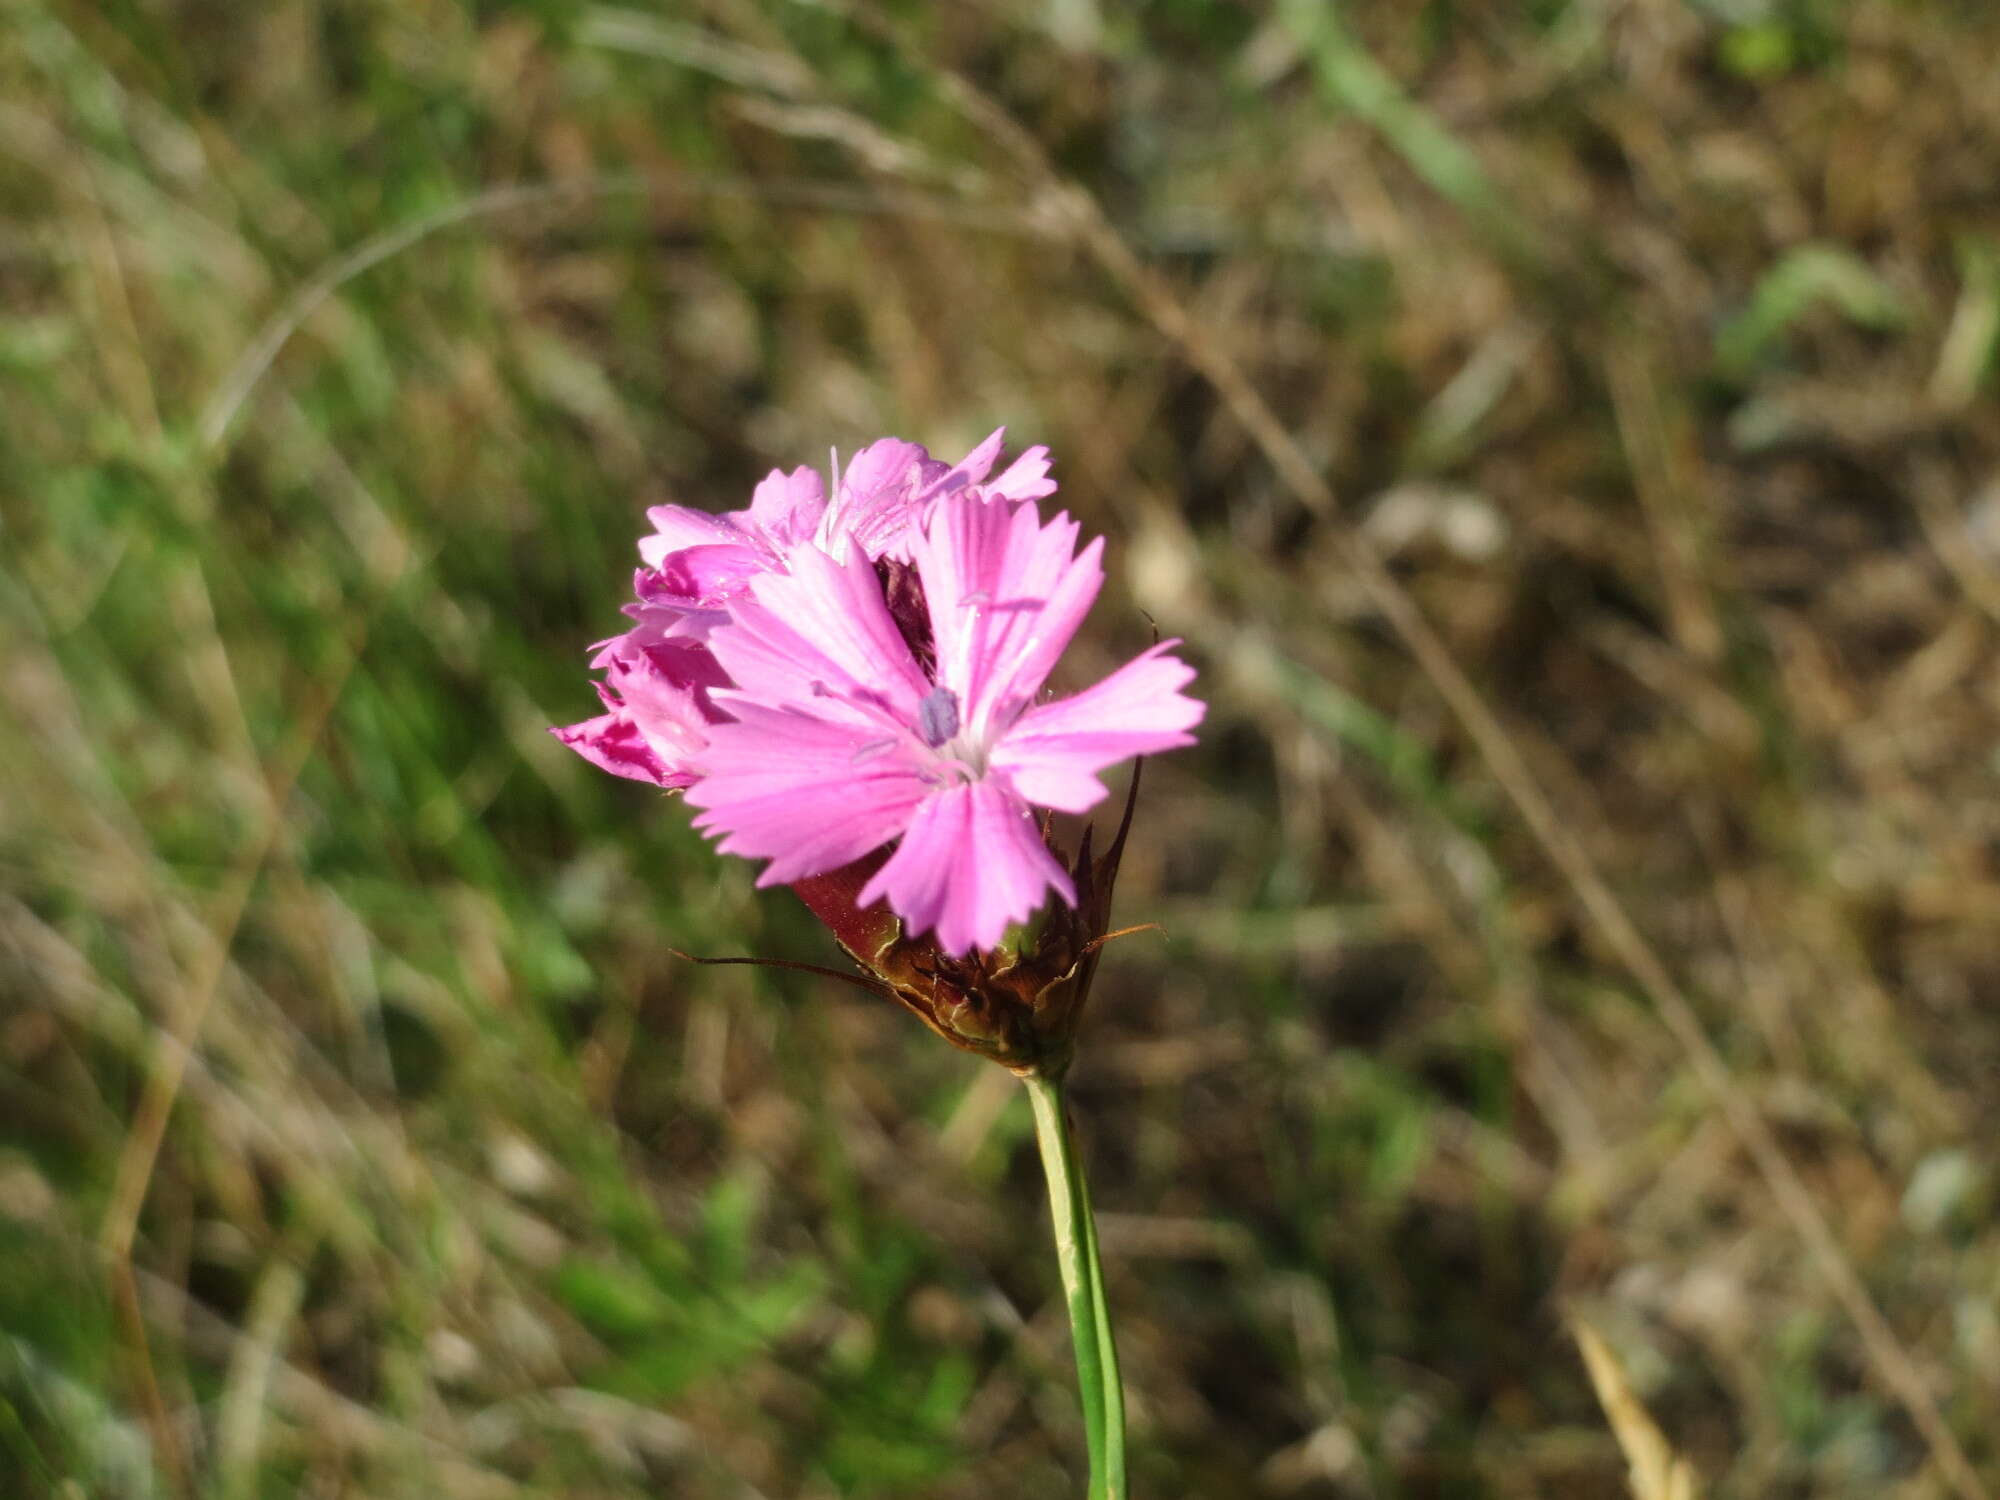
(1083, 1288)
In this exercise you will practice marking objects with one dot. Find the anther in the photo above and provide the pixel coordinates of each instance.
(937, 717)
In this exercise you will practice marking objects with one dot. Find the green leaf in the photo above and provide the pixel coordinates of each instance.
(611, 1301)
(1802, 279)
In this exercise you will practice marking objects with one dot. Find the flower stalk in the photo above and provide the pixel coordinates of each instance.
(1075, 1227)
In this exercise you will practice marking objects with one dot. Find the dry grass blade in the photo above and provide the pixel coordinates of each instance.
(174, 1047)
(236, 387)
(1657, 1472)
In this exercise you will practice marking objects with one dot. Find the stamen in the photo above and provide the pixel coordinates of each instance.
(937, 717)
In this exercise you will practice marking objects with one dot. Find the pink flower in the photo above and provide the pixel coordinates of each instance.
(840, 739)
(657, 675)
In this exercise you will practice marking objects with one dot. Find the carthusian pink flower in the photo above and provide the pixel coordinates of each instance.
(849, 728)
(853, 690)
(827, 678)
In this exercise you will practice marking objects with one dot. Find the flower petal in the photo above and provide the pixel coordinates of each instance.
(704, 577)
(807, 793)
(1005, 595)
(1026, 478)
(971, 863)
(678, 527)
(669, 603)
(822, 636)
(1054, 751)
(612, 742)
(969, 470)
(874, 504)
(666, 694)
(657, 692)
(786, 508)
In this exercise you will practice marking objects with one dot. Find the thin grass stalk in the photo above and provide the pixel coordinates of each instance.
(1075, 1228)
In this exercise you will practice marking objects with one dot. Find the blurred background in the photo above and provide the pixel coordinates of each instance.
(360, 1137)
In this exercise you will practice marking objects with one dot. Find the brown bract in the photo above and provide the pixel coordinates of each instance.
(1019, 1007)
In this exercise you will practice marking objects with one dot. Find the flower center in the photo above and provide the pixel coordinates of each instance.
(960, 755)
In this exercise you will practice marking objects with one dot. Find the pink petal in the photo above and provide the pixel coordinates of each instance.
(612, 742)
(658, 696)
(698, 577)
(1005, 596)
(666, 694)
(884, 465)
(807, 793)
(1053, 751)
(821, 638)
(1027, 478)
(1025, 656)
(786, 508)
(971, 864)
(678, 527)
(875, 504)
(669, 604)
(969, 470)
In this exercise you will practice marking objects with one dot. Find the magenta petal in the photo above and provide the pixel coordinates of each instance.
(874, 505)
(1025, 657)
(657, 694)
(665, 693)
(1005, 595)
(809, 794)
(969, 470)
(668, 604)
(884, 466)
(678, 527)
(786, 508)
(1053, 751)
(698, 577)
(821, 637)
(613, 743)
(1027, 478)
(971, 864)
